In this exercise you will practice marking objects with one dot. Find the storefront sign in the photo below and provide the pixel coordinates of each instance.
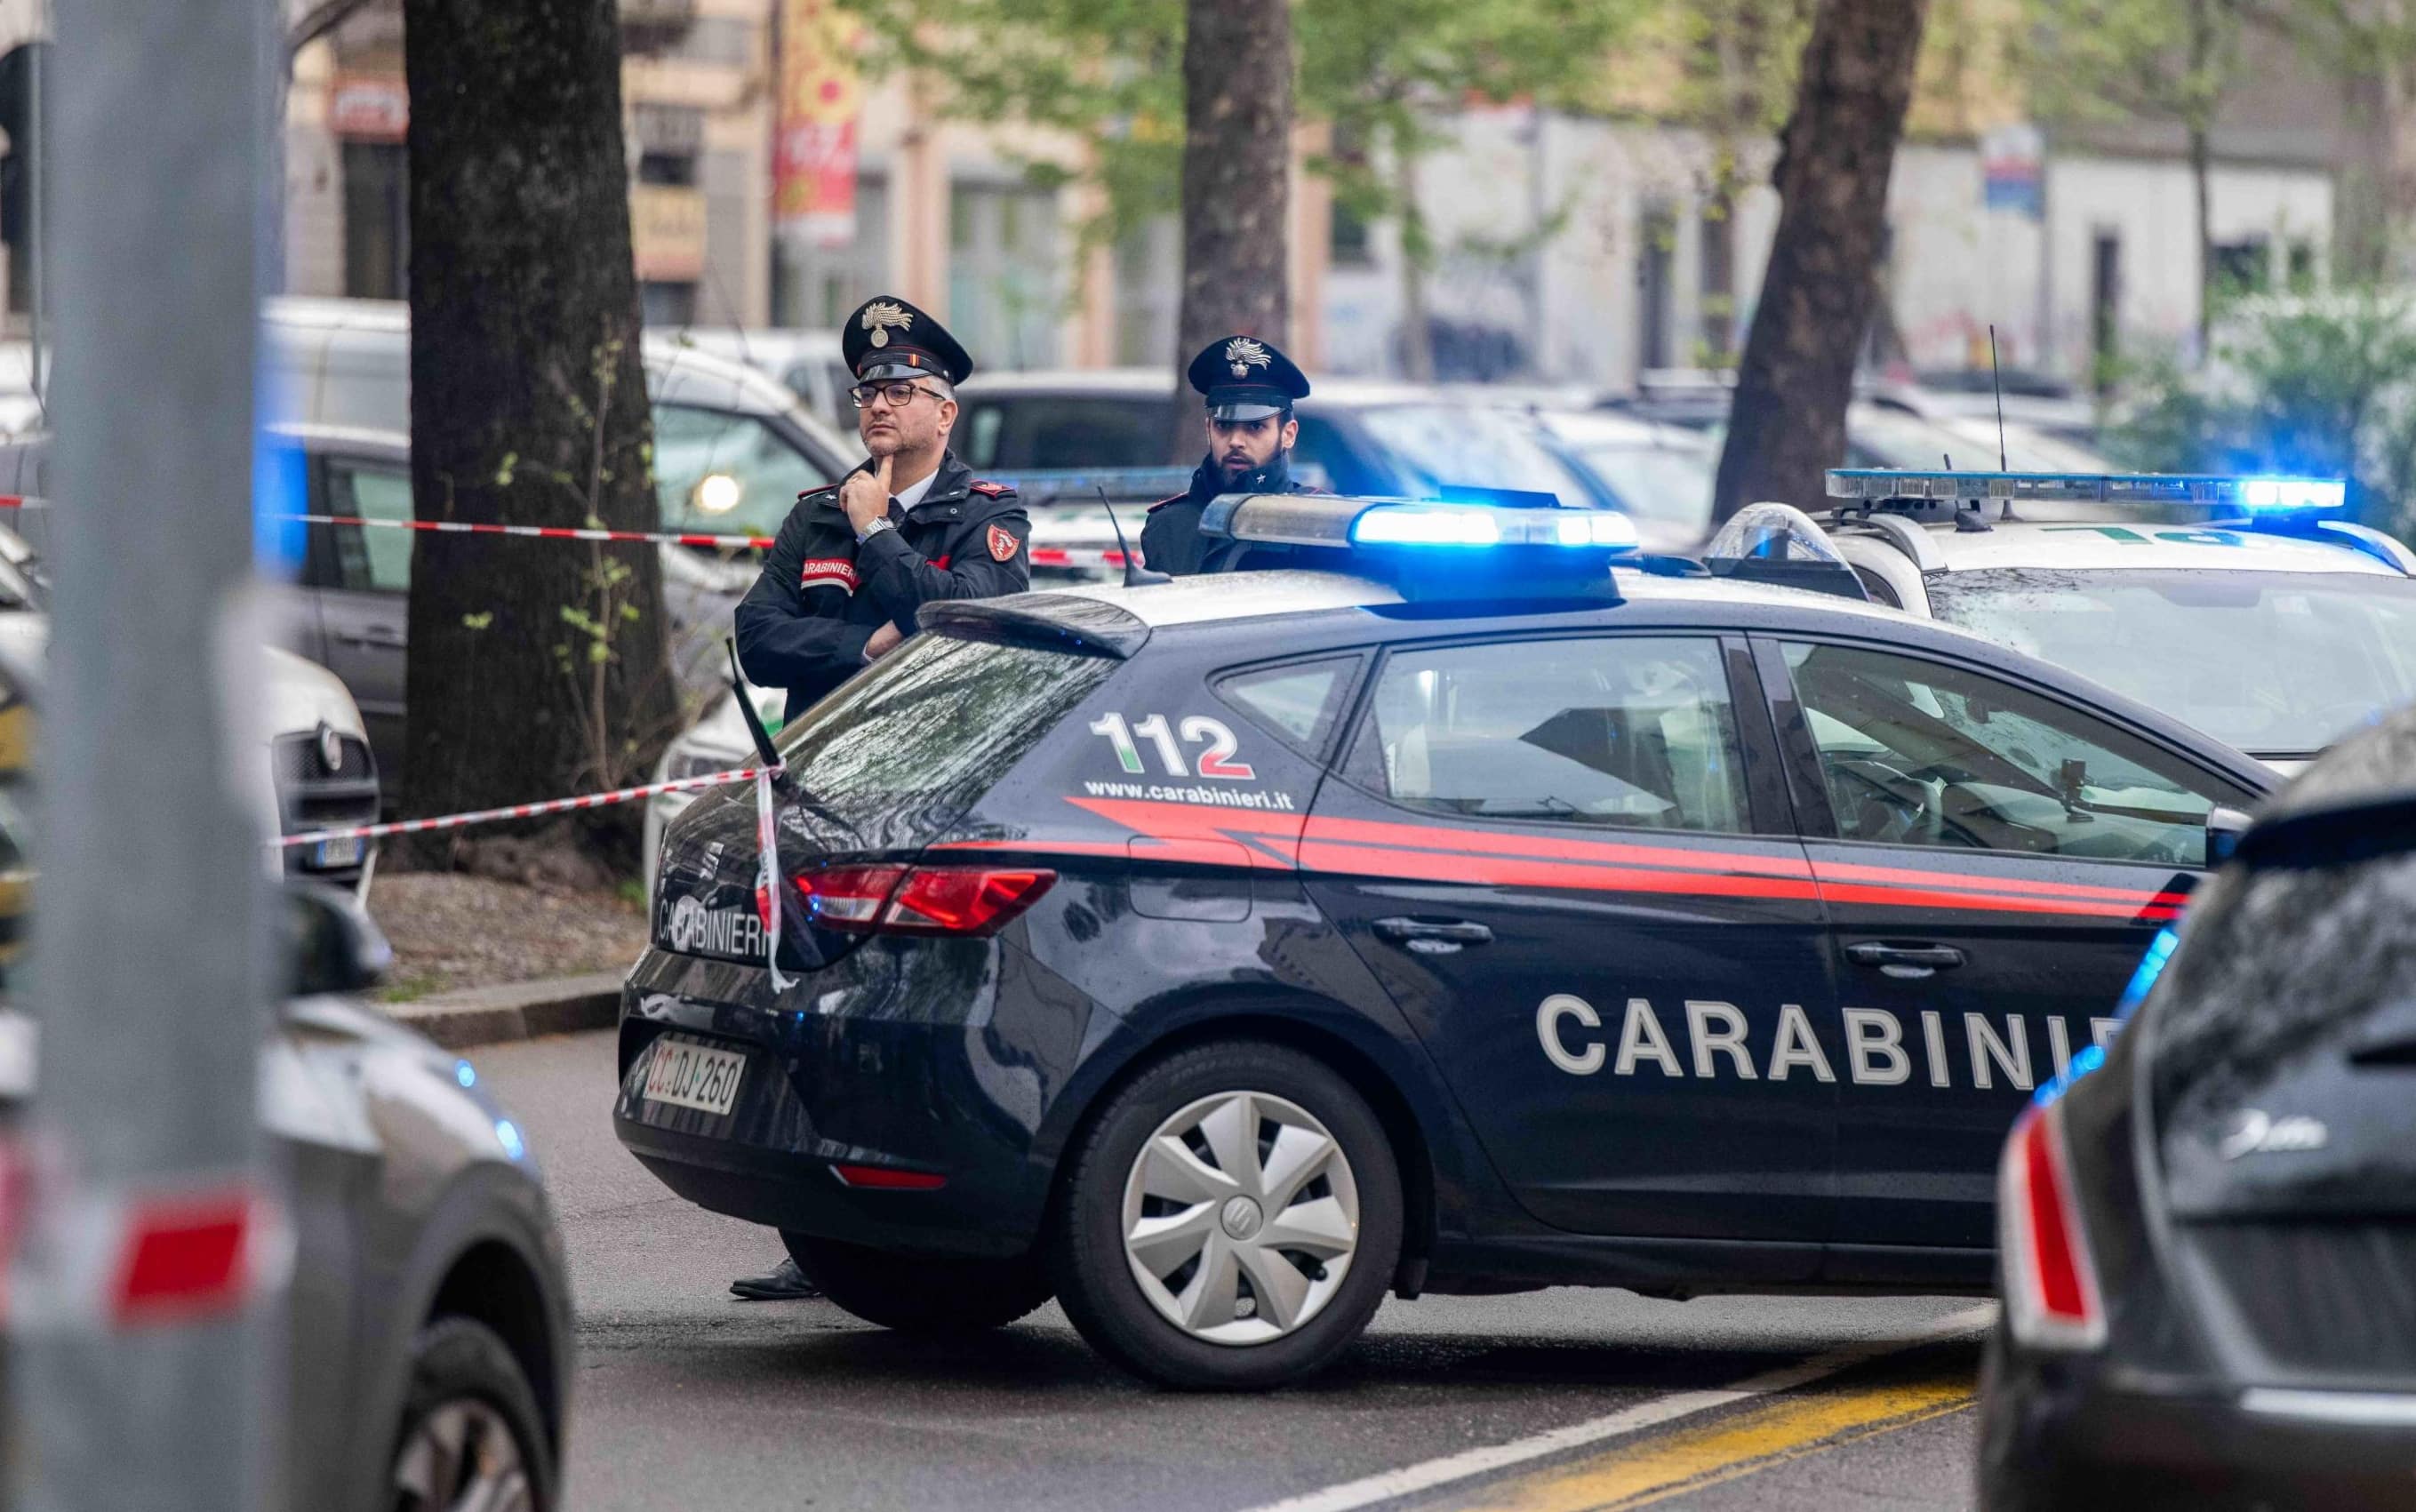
(813, 154)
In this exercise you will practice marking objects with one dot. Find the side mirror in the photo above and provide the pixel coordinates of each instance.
(333, 943)
(2224, 829)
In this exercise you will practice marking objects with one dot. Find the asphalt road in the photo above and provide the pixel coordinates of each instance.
(1555, 1399)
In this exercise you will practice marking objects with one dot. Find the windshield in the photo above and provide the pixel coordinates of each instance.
(1672, 484)
(1472, 447)
(2275, 663)
(726, 473)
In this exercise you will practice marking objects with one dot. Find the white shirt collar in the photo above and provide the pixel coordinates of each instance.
(911, 495)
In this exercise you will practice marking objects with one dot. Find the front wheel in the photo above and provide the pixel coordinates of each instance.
(915, 1295)
(472, 1435)
(1232, 1220)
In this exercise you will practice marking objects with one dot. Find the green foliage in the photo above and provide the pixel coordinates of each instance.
(2324, 385)
(1109, 74)
(2149, 60)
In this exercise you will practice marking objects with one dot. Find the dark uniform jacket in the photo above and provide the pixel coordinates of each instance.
(804, 624)
(1170, 537)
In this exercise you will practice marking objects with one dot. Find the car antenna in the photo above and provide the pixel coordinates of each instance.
(1997, 382)
(1136, 575)
(764, 750)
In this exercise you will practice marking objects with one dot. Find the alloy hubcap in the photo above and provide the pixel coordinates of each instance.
(1240, 1217)
(462, 1458)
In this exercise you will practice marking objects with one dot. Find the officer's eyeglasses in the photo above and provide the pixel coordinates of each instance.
(899, 394)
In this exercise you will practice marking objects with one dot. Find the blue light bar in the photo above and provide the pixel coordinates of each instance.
(2258, 496)
(1332, 520)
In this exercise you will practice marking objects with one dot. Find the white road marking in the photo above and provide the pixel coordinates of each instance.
(1412, 1479)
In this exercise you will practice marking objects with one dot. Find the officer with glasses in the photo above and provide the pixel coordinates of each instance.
(855, 560)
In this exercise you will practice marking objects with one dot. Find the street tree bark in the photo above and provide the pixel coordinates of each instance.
(1788, 421)
(1237, 184)
(537, 667)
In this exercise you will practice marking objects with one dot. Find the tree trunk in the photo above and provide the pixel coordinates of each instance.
(1237, 184)
(528, 406)
(1418, 323)
(1788, 419)
(2201, 166)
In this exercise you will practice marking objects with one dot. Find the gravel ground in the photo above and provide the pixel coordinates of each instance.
(450, 929)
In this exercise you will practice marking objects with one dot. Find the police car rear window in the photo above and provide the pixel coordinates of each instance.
(937, 721)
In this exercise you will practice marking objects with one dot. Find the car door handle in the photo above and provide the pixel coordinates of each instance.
(1432, 937)
(1904, 959)
(376, 635)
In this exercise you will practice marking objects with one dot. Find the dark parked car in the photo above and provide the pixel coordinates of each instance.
(429, 1334)
(2209, 1245)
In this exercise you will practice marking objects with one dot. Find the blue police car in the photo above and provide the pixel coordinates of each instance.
(1473, 902)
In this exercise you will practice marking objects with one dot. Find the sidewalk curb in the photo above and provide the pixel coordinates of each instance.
(517, 1010)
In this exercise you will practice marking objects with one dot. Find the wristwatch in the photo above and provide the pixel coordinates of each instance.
(878, 524)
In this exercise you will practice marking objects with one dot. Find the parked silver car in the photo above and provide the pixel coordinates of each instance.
(429, 1334)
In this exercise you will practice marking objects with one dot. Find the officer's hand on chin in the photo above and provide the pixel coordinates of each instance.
(885, 640)
(864, 497)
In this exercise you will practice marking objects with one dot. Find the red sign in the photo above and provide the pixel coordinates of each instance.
(813, 142)
(368, 107)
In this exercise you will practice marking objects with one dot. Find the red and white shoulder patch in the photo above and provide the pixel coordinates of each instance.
(1003, 544)
(988, 489)
(827, 572)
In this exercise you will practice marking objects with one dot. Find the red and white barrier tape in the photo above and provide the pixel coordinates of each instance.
(1072, 556)
(524, 811)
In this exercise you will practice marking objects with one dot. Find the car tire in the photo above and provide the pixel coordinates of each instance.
(472, 1433)
(1212, 1317)
(918, 1294)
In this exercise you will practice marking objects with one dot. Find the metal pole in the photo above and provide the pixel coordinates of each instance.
(149, 956)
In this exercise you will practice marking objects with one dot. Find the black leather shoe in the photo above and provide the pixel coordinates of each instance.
(785, 1284)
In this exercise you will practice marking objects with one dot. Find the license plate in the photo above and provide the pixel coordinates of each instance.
(343, 853)
(688, 1075)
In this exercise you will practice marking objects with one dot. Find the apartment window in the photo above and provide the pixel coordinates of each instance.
(668, 304)
(1716, 269)
(2244, 266)
(1005, 300)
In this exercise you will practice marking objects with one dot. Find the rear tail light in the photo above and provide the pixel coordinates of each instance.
(932, 900)
(2051, 1296)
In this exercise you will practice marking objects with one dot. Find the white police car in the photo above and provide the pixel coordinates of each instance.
(2241, 605)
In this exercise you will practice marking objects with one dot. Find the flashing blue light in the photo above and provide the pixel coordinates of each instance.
(2152, 966)
(1414, 524)
(2089, 1060)
(2294, 492)
(466, 1074)
(509, 1136)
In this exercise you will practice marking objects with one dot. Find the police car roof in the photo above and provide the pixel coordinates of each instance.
(1214, 597)
(2114, 544)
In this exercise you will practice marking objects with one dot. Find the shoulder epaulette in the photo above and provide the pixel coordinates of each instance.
(988, 489)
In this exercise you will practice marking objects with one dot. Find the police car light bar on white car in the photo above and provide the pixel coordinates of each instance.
(1336, 520)
(2246, 495)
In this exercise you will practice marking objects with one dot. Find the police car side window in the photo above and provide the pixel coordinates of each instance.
(1299, 701)
(1917, 752)
(367, 558)
(1626, 730)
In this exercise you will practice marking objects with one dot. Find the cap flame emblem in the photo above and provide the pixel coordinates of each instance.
(1242, 354)
(880, 316)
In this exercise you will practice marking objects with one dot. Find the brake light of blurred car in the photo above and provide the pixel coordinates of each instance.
(963, 902)
(2051, 1296)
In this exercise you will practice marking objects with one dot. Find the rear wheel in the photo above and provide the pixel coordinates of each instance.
(1232, 1220)
(913, 1294)
(472, 1436)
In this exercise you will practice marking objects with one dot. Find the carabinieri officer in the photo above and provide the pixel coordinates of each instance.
(855, 560)
(1250, 389)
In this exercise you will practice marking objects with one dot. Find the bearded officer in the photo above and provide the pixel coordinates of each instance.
(1250, 389)
(855, 560)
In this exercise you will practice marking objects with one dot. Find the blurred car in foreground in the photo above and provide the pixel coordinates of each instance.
(429, 1334)
(2209, 1245)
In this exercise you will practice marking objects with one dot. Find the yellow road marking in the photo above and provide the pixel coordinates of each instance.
(1741, 1446)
